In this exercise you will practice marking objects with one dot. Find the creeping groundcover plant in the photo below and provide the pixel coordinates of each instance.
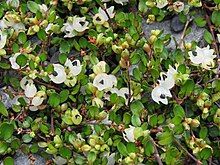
(80, 83)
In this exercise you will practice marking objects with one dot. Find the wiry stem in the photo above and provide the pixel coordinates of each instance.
(156, 153)
(189, 154)
(214, 43)
(180, 45)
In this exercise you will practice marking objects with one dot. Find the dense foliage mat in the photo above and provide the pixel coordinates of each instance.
(82, 84)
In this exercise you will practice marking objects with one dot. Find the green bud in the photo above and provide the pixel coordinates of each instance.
(32, 134)
(44, 23)
(85, 148)
(125, 53)
(64, 106)
(200, 103)
(117, 49)
(84, 10)
(125, 45)
(205, 110)
(97, 147)
(128, 37)
(57, 140)
(92, 142)
(152, 39)
(108, 40)
(104, 147)
(128, 160)
(195, 123)
(132, 155)
(147, 48)
(100, 39)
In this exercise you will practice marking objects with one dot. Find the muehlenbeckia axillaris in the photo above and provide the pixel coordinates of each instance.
(104, 81)
(103, 16)
(59, 75)
(162, 91)
(160, 94)
(28, 86)
(37, 100)
(12, 20)
(204, 57)
(74, 67)
(13, 61)
(124, 93)
(75, 26)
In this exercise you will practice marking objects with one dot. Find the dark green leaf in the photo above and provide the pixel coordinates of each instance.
(122, 149)
(54, 100)
(8, 161)
(32, 6)
(6, 130)
(21, 60)
(3, 110)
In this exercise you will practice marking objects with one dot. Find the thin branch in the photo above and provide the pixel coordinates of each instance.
(180, 45)
(129, 87)
(46, 85)
(156, 153)
(52, 122)
(214, 43)
(189, 154)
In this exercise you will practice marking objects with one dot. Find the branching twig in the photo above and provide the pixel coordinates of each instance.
(214, 43)
(46, 85)
(180, 45)
(156, 153)
(52, 122)
(129, 88)
(189, 154)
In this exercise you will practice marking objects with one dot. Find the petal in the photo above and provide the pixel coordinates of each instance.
(158, 91)
(74, 69)
(61, 74)
(33, 108)
(111, 159)
(13, 62)
(36, 101)
(3, 39)
(99, 81)
(129, 134)
(24, 81)
(30, 90)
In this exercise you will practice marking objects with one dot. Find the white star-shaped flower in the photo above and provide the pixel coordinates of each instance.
(160, 94)
(128, 134)
(169, 81)
(103, 81)
(123, 92)
(103, 16)
(204, 57)
(12, 59)
(74, 67)
(59, 74)
(75, 25)
(30, 90)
